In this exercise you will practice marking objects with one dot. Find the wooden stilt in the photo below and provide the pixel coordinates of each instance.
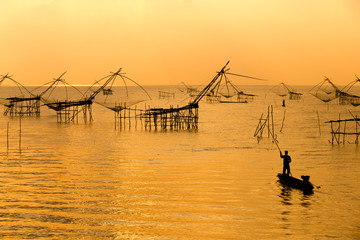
(7, 137)
(318, 122)
(344, 130)
(20, 134)
(282, 123)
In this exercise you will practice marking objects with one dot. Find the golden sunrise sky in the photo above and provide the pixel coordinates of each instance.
(170, 41)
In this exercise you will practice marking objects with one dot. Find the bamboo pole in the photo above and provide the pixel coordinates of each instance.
(141, 118)
(339, 129)
(275, 141)
(357, 134)
(282, 124)
(257, 128)
(7, 137)
(344, 132)
(149, 117)
(332, 134)
(120, 120)
(134, 112)
(115, 117)
(90, 112)
(20, 134)
(272, 119)
(268, 123)
(318, 122)
(129, 118)
(85, 115)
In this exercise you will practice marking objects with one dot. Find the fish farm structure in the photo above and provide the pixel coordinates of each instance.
(25, 104)
(224, 91)
(115, 96)
(326, 91)
(343, 130)
(22, 106)
(69, 110)
(172, 118)
(166, 95)
(347, 96)
(283, 90)
(185, 117)
(193, 92)
(178, 118)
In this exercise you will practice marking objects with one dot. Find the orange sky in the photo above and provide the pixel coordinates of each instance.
(170, 41)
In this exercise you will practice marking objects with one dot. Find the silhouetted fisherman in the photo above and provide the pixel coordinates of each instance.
(286, 164)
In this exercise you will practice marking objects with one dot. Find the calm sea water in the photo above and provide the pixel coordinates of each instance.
(90, 181)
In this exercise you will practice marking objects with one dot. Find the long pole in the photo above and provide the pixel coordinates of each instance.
(7, 137)
(282, 124)
(319, 122)
(272, 119)
(268, 123)
(20, 134)
(205, 90)
(357, 134)
(275, 140)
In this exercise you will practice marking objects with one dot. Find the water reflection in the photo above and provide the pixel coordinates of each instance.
(288, 198)
(291, 214)
(306, 199)
(286, 195)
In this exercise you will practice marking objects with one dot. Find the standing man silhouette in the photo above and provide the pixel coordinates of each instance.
(286, 163)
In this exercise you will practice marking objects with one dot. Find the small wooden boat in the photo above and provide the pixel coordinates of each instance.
(290, 181)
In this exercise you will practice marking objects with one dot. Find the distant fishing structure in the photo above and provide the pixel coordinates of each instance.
(283, 90)
(193, 92)
(225, 91)
(116, 97)
(177, 118)
(343, 129)
(326, 91)
(69, 108)
(173, 118)
(23, 104)
(187, 117)
(166, 95)
(348, 96)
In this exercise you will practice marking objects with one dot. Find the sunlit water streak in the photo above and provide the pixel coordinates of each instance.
(78, 181)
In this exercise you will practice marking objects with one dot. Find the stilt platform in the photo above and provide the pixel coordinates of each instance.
(186, 117)
(69, 111)
(18, 106)
(345, 130)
